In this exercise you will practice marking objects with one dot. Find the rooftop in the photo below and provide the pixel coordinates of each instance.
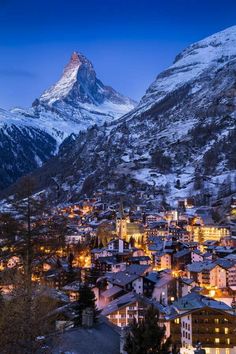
(194, 301)
(101, 339)
(126, 300)
(198, 267)
(182, 253)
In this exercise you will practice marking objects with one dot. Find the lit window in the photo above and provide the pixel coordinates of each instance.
(217, 340)
(216, 320)
(217, 330)
(226, 330)
(228, 340)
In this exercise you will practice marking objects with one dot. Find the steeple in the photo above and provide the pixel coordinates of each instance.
(121, 222)
(121, 209)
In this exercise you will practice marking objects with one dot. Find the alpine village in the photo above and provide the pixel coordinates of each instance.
(118, 218)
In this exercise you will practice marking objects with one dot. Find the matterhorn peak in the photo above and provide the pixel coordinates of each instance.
(77, 59)
(62, 88)
(79, 85)
(77, 73)
(74, 57)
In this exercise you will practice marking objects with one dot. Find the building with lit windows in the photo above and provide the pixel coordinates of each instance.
(127, 230)
(207, 274)
(202, 233)
(196, 319)
(122, 311)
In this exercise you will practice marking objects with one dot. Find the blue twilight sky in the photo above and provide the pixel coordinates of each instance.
(128, 41)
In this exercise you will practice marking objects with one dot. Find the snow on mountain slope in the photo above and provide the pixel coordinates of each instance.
(77, 101)
(180, 140)
(29, 137)
(210, 53)
(62, 88)
(23, 147)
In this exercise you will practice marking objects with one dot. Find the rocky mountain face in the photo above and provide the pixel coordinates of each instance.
(23, 147)
(28, 138)
(179, 140)
(77, 101)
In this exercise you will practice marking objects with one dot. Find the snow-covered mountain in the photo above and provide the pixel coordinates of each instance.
(29, 137)
(23, 147)
(198, 60)
(180, 139)
(77, 101)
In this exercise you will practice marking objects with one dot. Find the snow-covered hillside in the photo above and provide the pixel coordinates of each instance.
(23, 147)
(179, 140)
(211, 54)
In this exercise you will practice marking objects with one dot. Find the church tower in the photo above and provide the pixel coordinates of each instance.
(121, 223)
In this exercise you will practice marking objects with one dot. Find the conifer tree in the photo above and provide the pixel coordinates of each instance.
(24, 318)
(87, 299)
(147, 336)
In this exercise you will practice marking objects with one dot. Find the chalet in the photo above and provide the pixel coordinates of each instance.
(122, 311)
(185, 286)
(164, 286)
(181, 258)
(195, 319)
(56, 278)
(159, 228)
(230, 267)
(72, 290)
(142, 260)
(118, 245)
(162, 260)
(109, 264)
(207, 274)
(133, 278)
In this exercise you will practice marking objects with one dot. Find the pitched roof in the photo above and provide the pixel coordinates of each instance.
(107, 260)
(112, 291)
(129, 299)
(74, 286)
(194, 301)
(131, 273)
(182, 253)
(225, 263)
(198, 267)
(139, 258)
(100, 339)
(137, 269)
(187, 281)
(122, 278)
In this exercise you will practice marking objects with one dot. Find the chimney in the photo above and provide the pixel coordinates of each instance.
(87, 317)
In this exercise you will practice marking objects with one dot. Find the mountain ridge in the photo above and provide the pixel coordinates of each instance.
(179, 139)
(76, 102)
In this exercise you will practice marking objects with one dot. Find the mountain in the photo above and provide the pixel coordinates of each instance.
(178, 141)
(77, 101)
(29, 137)
(23, 147)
